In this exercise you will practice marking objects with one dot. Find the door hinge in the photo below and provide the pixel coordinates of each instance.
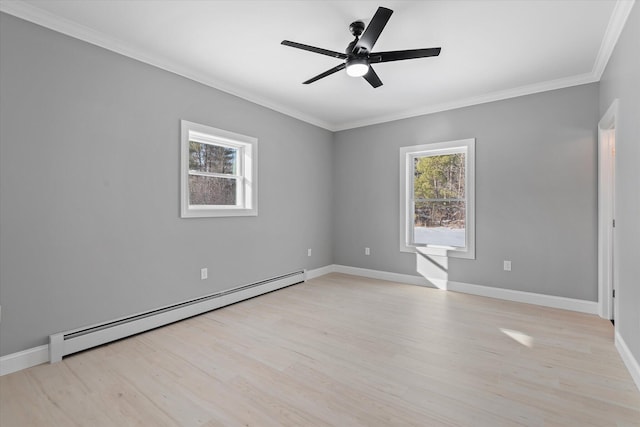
(614, 293)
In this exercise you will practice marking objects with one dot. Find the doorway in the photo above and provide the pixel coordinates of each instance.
(606, 213)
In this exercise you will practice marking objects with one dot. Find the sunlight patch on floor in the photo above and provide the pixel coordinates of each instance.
(518, 336)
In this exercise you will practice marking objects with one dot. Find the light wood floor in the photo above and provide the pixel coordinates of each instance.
(342, 351)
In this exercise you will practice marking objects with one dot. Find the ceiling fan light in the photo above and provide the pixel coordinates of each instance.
(357, 67)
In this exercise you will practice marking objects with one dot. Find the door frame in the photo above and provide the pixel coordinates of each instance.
(606, 208)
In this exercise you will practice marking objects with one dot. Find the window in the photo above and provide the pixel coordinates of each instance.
(437, 198)
(218, 172)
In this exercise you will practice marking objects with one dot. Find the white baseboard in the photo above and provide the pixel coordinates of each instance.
(582, 306)
(627, 357)
(382, 275)
(24, 359)
(317, 272)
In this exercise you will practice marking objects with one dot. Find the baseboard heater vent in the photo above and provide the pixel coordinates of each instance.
(65, 343)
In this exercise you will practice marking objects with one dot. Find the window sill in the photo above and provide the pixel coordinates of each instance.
(212, 213)
(447, 251)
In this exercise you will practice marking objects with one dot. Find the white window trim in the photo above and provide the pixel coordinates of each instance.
(246, 175)
(407, 155)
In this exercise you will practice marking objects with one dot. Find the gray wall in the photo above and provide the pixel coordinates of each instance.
(536, 188)
(89, 179)
(621, 80)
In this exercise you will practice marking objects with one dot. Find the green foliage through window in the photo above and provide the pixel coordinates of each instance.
(439, 191)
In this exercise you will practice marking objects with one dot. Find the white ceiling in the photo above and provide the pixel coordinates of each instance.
(490, 49)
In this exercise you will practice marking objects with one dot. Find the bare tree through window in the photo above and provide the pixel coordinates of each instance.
(212, 174)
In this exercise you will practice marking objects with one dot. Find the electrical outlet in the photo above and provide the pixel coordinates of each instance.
(309, 252)
(204, 273)
(507, 265)
(367, 251)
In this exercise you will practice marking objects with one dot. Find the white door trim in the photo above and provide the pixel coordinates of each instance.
(606, 197)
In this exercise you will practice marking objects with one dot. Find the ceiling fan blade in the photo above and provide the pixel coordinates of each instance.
(373, 78)
(398, 55)
(325, 74)
(373, 30)
(314, 49)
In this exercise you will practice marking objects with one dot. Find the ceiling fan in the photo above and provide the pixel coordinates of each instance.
(358, 55)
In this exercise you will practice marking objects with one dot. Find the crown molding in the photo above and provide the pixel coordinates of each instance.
(476, 100)
(73, 29)
(38, 16)
(618, 19)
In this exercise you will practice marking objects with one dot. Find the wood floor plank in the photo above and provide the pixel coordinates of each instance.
(342, 350)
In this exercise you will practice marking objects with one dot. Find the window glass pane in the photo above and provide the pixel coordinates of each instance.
(439, 200)
(440, 223)
(212, 158)
(207, 190)
(439, 177)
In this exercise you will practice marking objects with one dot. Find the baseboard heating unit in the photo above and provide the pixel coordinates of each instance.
(69, 342)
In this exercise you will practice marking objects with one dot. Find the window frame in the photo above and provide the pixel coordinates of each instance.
(245, 176)
(407, 156)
